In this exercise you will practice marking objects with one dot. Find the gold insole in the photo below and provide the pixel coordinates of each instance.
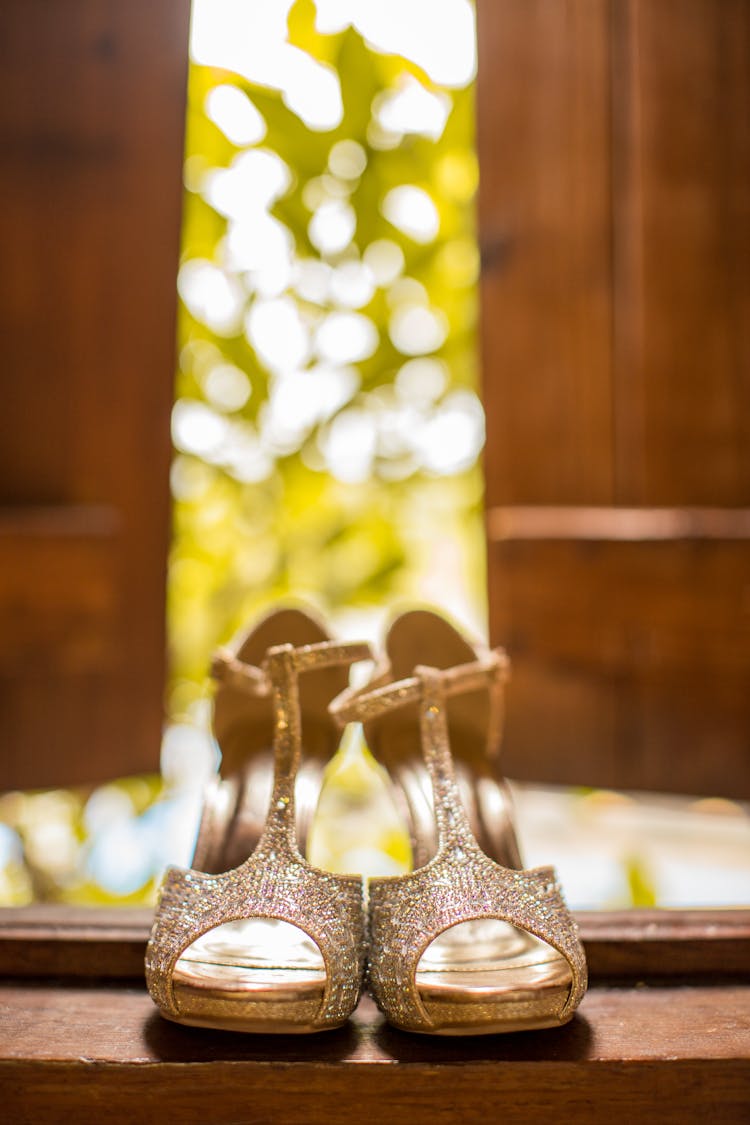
(255, 959)
(485, 968)
(489, 958)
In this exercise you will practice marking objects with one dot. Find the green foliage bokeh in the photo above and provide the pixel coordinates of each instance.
(238, 544)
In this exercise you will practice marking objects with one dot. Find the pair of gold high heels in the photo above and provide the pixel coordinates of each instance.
(259, 940)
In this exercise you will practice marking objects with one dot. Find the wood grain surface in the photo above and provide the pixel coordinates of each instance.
(104, 1053)
(641, 1042)
(630, 652)
(76, 942)
(92, 105)
(614, 215)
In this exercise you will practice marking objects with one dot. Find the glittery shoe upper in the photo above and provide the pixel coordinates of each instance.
(460, 883)
(275, 882)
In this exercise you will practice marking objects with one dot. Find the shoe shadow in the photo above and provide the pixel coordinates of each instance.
(171, 1042)
(568, 1043)
(365, 1038)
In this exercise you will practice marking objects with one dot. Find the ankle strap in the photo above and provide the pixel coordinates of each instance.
(227, 669)
(369, 703)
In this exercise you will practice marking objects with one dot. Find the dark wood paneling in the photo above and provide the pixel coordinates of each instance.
(614, 143)
(545, 232)
(58, 577)
(629, 653)
(681, 222)
(91, 118)
(619, 130)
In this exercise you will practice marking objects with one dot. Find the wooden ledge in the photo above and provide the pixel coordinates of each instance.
(93, 1052)
(95, 1049)
(109, 943)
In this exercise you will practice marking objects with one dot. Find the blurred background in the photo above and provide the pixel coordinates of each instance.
(301, 194)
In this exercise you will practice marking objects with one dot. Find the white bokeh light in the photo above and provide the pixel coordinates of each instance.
(254, 180)
(227, 387)
(451, 440)
(244, 456)
(107, 804)
(212, 296)
(407, 291)
(249, 38)
(412, 211)
(312, 91)
(349, 446)
(380, 138)
(232, 111)
(352, 285)
(324, 189)
(420, 382)
(412, 109)
(333, 16)
(258, 241)
(346, 337)
(312, 280)
(196, 428)
(277, 333)
(416, 330)
(187, 752)
(301, 400)
(438, 35)
(385, 259)
(272, 279)
(189, 479)
(347, 159)
(332, 227)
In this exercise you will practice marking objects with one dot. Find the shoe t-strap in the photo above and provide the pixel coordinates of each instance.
(278, 678)
(453, 829)
(460, 883)
(491, 670)
(228, 670)
(275, 882)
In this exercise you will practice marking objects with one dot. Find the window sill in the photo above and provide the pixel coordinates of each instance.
(109, 943)
(88, 1051)
(665, 1020)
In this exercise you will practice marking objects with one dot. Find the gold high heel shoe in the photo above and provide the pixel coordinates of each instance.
(273, 945)
(235, 801)
(468, 943)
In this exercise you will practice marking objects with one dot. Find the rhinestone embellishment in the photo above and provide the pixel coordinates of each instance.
(460, 883)
(275, 882)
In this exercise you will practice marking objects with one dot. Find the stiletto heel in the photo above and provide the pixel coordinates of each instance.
(468, 943)
(274, 944)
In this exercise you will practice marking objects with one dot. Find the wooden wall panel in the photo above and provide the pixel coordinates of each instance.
(543, 128)
(58, 576)
(91, 119)
(632, 668)
(628, 623)
(681, 221)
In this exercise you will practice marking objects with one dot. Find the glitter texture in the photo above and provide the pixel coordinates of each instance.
(460, 883)
(275, 882)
